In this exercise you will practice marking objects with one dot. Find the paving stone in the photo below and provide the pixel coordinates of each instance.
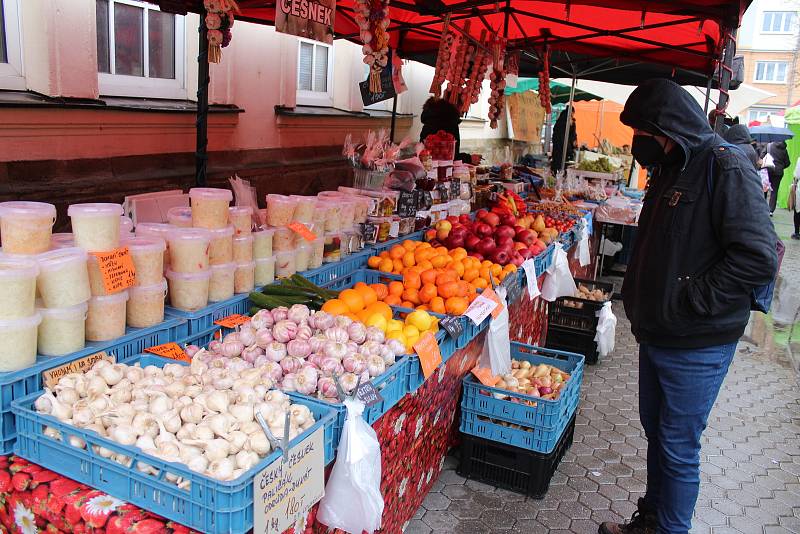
(439, 520)
(457, 493)
(417, 527)
(476, 527)
(574, 510)
(527, 526)
(436, 501)
(497, 519)
(553, 519)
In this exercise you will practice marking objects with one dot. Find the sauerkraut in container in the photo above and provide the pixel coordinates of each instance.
(95, 226)
(333, 216)
(62, 330)
(243, 248)
(159, 230)
(148, 258)
(280, 210)
(146, 305)
(188, 291)
(180, 216)
(17, 288)
(221, 284)
(304, 208)
(26, 227)
(106, 317)
(220, 249)
(241, 219)
(285, 264)
(244, 278)
(303, 257)
(18, 349)
(63, 277)
(265, 271)
(210, 207)
(282, 239)
(317, 252)
(262, 243)
(62, 240)
(188, 249)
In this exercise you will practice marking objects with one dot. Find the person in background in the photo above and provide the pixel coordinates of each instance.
(780, 159)
(439, 114)
(704, 242)
(739, 135)
(558, 140)
(794, 202)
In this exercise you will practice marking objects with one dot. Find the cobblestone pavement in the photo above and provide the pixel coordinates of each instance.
(750, 458)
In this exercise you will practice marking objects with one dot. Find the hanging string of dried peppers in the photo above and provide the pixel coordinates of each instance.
(498, 80)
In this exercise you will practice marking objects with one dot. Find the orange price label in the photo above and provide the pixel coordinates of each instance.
(117, 269)
(173, 351)
(485, 376)
(427, 348)
(303, 230)
(491, 295)
(232, 321)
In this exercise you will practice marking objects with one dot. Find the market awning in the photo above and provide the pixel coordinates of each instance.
(559, 92)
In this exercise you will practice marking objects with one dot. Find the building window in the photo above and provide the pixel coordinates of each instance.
(771, 71)
(762, 114)
(11, 75)
(779, 22)
(140, 50)
(314, 73)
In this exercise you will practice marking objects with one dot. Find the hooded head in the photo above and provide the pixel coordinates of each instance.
(738, 134)
(663, 108)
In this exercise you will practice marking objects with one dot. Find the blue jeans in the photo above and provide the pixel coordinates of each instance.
(677, 388)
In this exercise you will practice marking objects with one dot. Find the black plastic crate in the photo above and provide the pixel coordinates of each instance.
(576, 312)
(512, 468)
(573, 340)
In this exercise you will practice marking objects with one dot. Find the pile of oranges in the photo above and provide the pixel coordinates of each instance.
(434, 278)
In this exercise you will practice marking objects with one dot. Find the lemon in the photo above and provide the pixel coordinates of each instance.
(410, 341)
(398, 335)
(411, 331)
(420, 319)
(393, 325)
(377, 320)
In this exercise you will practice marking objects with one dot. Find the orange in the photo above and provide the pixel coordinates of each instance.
(481, 283)
(422, 307)
(386, 265)
(398, 266)
(485, 272)
(407, 304)
(496, 269)
(412, 295)
(392, 300)
(408, 259)
(408, 244)
(412, 281)
(359, 285)
(384, 254)
(352, 299)
(437, 305)
(442, 251)
(458, 253)
(463, 288)
(373, 262)
(380, 308)
(363, 315)
(335, 307)
(439, 260)
(458, 267)
(428, 277)
(367, 293)
(456, 305)
(425, 265)
(470, 274)
(447, 276)
(503, 275)
(380, 290)
(396, 252)
(427, 293)
(395, 287)
(448, 289)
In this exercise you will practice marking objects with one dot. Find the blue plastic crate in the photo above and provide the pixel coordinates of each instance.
(569, 238)
(546, 415)
(377, 248)
(203, 319)
(332, 271)
(136, 340)
(415, 376)
(207, 505)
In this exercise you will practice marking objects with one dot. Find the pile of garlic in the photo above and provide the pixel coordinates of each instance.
(200, 417)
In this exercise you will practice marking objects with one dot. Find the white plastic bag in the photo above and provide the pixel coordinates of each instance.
(559, 281)
(582, 250)
(496, 353)
(606, 330)
(353, 500)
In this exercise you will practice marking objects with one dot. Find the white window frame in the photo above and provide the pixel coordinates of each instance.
(783, 14)
(12, 74)
(315, 98)
(143, 86)
(761, 114)
(776, 62)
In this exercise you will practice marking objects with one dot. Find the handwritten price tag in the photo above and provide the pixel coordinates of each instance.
(117, 269)
(480, 308)
(173, 351)
(302, 230)
(485, 376)
(427, 348)
(232, 321)
(491, 295)
(529, 266)
(51, 377)
(367, 394)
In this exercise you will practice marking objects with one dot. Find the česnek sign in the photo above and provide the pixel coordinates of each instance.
(306, 18)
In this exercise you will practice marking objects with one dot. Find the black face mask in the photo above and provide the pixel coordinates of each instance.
(647, 150)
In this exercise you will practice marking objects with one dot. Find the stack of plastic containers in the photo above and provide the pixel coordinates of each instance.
(146, 298)
(263, 257)
(189, 274)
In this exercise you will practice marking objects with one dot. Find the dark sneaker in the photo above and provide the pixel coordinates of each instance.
(795, 236)
(643, 521)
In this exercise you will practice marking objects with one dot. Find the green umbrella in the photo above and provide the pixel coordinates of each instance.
(559, 92)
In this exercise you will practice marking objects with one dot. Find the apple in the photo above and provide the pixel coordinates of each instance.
(505, 242)
(454, 241)
(518, 228)
(526, 236)
(435, 243)
(464, 219)
(501, 256)
(480, 214)
(504, 231)
(444, 226)
(508, 219)
(430, 235)
(452, 219)
(441, 235)
(517, 259)
(518, 245)
(471, 242)
(483, 229)
(492, 219)
(459, 231)
(477, 255)
(526, 253)
(486, 246)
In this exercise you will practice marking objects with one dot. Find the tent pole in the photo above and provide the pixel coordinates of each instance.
(569, 122)
(201, 152)
(708, 94)
(725, 77)
(394, 118)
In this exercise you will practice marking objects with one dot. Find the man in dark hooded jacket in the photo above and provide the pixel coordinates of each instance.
(739, 135)
(704, 242)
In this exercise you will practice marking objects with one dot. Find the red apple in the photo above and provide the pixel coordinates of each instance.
(480, 214)
(477, 255)
(464, 219)
(486, 246)
(492, 219)
(526, 253)
(504, 231)
(454, 241)
(517, 259)
(501, 256)
(505, 242)
(483, 229)
(508, 219)
(430, 234)
(518, 245)
(471, 242)
(453, 219)
(518, 229)
(441, 235)
(459, 231)
(526, 236)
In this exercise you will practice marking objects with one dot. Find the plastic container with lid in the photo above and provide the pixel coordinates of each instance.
(188, 249)
(304, 209)
(241, 218)
(63, 277)
(95, 226)
(220, 250)
(348, 212)
(125, 225)
(62, 240)
(106, 317)
(285, 264)
(160, 230)
(243, 248)
(146, 305)
(303, 258)
(148, 258)
(221, 284)
(280, 210)
(332, 247)
(17, 288)
(333, 221)
(180, 216)
(62, 330)
(262, 243)
(188, 291)
(317, 252)
(265, 271)
(244, 278)
(18, 349)
(282, 239)
(210, 207)
(26, 227)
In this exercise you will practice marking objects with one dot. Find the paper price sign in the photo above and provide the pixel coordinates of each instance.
(452, 325)
(485, 376)
(427, 348)
(117, 269)
(367, 394)
(51, 377)
(302, 230)
(480, 308)
(286, 490)
(491, 295)
(173, 351)
(529, 266)
(232, 321)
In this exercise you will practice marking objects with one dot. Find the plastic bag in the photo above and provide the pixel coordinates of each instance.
(606, 330)
(582, 250)
(353, 500)
(559, 281)
(496, 353)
